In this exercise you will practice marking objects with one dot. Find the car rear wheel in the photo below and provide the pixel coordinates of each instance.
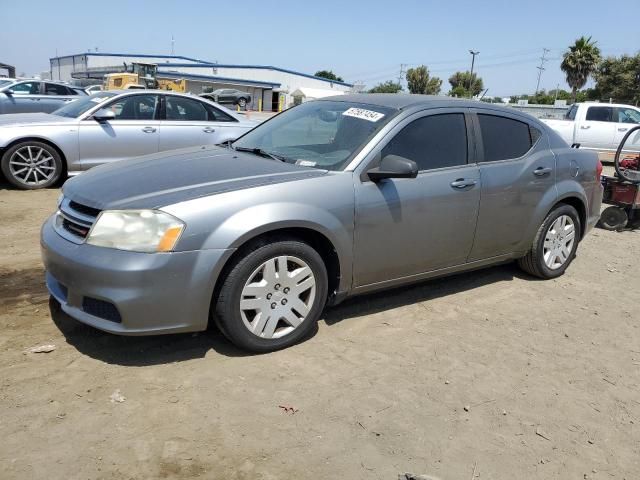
(242, 102)
(555, 244)
(272, 296)
(32, 165)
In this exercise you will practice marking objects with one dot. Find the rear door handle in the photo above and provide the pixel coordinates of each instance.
(542, 171)
(623, 129)
(208, 130)
(585, 127)
(148, 129)
(461, 183)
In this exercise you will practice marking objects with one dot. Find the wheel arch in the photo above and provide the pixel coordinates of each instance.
(580, 206)
(47, 141)
(311, 236)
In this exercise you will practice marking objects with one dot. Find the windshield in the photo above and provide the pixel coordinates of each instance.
(320, 134)
(4, 82)
(77, 107)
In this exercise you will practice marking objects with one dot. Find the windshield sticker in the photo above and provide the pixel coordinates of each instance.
(363, 114)
(305, 163)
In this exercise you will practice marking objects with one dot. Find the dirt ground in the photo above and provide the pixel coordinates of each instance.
(486, 375)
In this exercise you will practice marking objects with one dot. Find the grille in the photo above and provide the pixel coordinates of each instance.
(101, 309)
(90, 211)
(75, 220)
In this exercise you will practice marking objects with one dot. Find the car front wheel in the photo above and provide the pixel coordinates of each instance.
(555, 244)
(272, 296)
(242, 102)
(32, 165)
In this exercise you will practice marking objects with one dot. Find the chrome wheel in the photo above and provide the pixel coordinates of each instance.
(277, 297)
(32, 165)
(558, 242)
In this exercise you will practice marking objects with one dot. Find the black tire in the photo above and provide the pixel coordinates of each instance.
(533, 262)
(56, 163)
(613, 219)
(227, 307)
(242, 102)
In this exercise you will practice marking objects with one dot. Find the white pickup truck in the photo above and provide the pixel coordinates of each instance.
(599, 126)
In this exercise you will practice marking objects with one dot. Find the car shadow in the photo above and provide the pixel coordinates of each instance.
(421, 292)
(161, 349)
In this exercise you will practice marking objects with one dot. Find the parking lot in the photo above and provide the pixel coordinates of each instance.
(490, 374)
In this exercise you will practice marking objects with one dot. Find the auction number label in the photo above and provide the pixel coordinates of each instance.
(363, 114)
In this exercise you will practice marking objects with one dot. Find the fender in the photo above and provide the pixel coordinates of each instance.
(256, 220)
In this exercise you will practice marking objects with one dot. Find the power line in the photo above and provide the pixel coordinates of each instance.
(541, 67)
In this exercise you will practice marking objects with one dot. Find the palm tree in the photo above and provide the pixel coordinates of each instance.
(580, 61)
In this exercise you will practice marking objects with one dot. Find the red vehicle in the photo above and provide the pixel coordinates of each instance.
(622, 191)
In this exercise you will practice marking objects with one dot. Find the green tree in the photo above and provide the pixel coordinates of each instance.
(328, 74)
(580, 61)
(387, 87)
(464, 85)
(619, 79)
(419, 81)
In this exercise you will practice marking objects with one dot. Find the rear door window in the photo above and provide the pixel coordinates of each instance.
(505, 138)
(435, 141)
(185, 109)
(54, 89)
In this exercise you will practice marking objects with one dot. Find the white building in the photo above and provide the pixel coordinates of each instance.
(271, 87)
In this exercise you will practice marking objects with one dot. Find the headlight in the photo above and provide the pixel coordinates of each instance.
(136, 230)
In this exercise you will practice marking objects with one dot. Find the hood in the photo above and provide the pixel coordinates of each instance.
(23, 119)
(162, 179)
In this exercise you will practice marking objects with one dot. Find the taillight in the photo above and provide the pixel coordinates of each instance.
(598, 169)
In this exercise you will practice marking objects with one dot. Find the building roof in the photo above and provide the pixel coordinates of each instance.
(215, 78)
(194, 62)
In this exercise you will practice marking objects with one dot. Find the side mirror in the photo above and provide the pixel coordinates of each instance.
(104, 115)
(393, 166)
(8, 92)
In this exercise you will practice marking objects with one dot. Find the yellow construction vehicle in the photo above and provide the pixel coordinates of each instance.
(177, 85)
(137, 75)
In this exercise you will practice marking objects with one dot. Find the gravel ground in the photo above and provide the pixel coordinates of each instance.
(490, 372)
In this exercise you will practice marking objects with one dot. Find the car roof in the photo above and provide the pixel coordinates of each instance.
(402, 101)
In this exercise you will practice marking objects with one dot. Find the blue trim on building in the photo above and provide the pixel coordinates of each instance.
(141, 55)
(239, 81)
(203, 63)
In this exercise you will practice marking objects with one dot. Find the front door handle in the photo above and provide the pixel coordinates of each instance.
(148, 129)
(208, 130)
(461, 183)
(585, 127)
(623, 129)
(542, 171)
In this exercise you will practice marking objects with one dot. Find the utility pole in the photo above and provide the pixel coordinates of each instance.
(541, 67)
(402, 65)
(556, 97)
(173, 43)
(473, 61)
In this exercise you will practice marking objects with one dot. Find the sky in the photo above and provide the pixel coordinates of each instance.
(362, 41)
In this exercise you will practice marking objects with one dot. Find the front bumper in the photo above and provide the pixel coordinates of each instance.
(151, 293)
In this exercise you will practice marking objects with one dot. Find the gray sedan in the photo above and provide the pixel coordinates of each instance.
(27, 96)
(333, 198)
(36, 149)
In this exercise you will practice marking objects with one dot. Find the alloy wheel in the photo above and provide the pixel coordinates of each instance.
(32, 165)
(277, 297)
(558, 242)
